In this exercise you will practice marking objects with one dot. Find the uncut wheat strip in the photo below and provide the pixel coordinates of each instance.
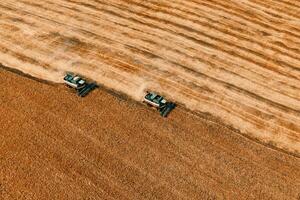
(149, 140)
(158, 140)
(66, 143)
(128, 163)
(107, 175)
(52, 139)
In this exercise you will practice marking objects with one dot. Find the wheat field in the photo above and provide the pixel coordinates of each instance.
(236, 60)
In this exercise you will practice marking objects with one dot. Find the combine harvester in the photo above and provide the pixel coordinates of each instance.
(79, 84)
(158, 102)
(151, 98)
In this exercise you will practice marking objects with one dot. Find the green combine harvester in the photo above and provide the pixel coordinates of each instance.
(79, 84)
(158, 102)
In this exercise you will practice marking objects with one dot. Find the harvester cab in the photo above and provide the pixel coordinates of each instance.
(162, 105)
(79, 84)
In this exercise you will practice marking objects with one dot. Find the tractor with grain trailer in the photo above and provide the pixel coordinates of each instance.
(81, 86)
(160, 103)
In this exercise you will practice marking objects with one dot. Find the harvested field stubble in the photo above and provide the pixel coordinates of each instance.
(55, 145)
(236, 60)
